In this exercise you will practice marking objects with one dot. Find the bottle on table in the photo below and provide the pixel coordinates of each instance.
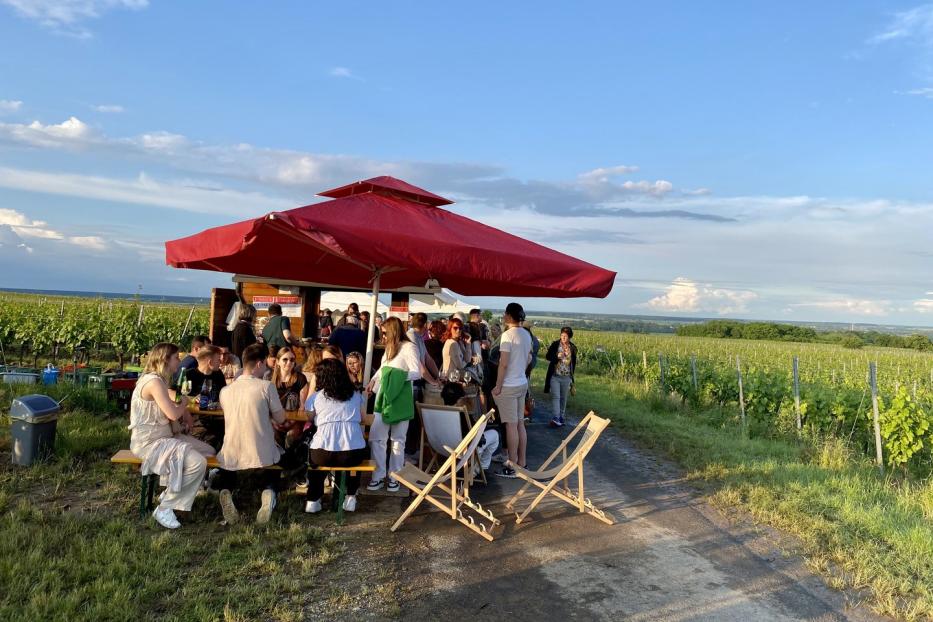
(204, 400)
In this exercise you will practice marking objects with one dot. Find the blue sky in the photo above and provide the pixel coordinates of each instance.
(727, 158)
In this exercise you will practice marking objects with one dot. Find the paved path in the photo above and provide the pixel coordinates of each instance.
(670, 557)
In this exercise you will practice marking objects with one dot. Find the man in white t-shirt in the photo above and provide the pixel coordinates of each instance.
(251, 407)
(512, 385)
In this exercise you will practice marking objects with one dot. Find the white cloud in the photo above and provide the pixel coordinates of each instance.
(658, 188)
(10, 105)
(603, 175)
(924, 305)
(915, 24)
(9, 239)
(109, 108)
(344, 72)
(66, 16)
(687, 296)
(23, 226)
(68, 134)
(90, 242)
(925, 92)
(850, 306)
(144, 190)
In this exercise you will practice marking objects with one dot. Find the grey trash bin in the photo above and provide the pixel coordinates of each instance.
(33, 422)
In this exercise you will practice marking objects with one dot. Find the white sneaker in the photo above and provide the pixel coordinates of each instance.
(349, 504)
(268, 504)
(376, 484)
(313, 507)
(392, 486)
(166, 518)
(227, 508)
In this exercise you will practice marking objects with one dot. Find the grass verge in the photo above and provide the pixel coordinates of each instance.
(857, 528)
(73, 547)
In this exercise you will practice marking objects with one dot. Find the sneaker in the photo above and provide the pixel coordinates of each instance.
(313, 507)
(268, 504)
(349, 504)
(376, 484)
(392, 486)
(302, 488)
(560, 423)
(507, 472)
(227, 508)
(166, 518)
(500, 458)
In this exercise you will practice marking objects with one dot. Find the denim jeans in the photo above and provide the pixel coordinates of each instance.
(560, 391)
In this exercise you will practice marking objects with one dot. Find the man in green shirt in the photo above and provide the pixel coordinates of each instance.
(278, 330)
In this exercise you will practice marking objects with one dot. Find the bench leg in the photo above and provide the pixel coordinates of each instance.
(147, 484)
(143, 487)
(151, 491)
(341, 495)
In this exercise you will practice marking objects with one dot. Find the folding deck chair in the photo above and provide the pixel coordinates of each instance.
(458, 459)
(441, 427)
(547, 479)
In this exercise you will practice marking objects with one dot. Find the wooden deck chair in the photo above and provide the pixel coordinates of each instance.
(442, 426)
(547, 479)
(445, 480)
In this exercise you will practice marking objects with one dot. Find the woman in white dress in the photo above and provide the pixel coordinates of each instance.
(176, 457)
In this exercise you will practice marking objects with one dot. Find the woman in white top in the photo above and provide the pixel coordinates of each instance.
(177, 458)
(452, 352)
(336, 409)
(400, 354)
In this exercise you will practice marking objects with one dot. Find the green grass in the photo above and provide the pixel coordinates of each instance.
(859, 529)
(73, 547)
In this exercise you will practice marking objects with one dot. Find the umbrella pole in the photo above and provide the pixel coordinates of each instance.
(371, 330)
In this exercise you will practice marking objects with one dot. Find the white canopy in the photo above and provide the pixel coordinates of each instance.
(342, 300)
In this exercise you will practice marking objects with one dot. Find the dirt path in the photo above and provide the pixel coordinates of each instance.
(671, 556)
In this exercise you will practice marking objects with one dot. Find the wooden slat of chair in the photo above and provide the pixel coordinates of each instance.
(591, 426)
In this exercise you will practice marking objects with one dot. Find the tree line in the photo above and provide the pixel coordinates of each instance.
(773, 331)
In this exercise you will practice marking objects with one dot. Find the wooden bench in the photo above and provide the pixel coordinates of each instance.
(148, 482)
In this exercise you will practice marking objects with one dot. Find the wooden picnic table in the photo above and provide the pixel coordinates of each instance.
(290, 415)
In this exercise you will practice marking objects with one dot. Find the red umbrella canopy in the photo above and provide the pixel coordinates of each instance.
(387, 225)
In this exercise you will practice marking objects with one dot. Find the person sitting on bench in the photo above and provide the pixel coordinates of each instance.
(250, 406)
(177, 458)
(336, 409)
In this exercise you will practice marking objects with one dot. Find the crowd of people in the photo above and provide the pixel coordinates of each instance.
(259, 381)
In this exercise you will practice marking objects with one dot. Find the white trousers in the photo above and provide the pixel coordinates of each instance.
(193, 475)
(489, 448)
(380, 434)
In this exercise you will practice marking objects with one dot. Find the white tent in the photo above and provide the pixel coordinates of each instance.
(341, 300)
(442, 302)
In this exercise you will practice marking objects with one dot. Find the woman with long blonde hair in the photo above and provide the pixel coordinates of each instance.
(177, 458)
(394, 403)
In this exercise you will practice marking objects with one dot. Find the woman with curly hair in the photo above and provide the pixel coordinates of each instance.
(336, 410)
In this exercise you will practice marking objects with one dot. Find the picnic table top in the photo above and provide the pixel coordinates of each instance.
(290, 415)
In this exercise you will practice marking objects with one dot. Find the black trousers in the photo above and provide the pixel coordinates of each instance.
(322, 457)
(259, 478)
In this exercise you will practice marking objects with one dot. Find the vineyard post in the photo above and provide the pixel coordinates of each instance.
(693, 368)
(738, 369)
(873, 379)
(185, 331)
(663, 387)
(644, 366)
(61, 312)
(139, 320)
(797, 390)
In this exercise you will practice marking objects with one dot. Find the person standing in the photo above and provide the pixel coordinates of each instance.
(562, 362)
(512, 386)
(278, 330)
(395, 405)
(348, 336)
(243, 335)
